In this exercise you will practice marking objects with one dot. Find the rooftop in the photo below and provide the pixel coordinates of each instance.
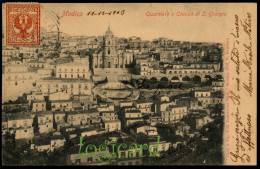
(19, 116)
(65, 79)
(144, 101)
(133, 111)
(41, 140)
(61, 101)
(112, 121)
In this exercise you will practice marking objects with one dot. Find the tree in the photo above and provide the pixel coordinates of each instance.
(175, 78)
(196, 79)
(207, 76)
(179, 59)
(164, 79)
(40, 55)
(153, 83)
(186, 78)
(219, 77)
(153, 79)
(21, 55)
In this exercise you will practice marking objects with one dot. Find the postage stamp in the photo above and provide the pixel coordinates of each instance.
(23, 24)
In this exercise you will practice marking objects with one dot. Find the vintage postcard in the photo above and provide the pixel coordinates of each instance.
(129, 84)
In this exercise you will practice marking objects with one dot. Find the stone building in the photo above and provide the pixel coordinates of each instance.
(79, 68)
(21, 124)
(174, 113)
(107, 56)
(45, 122)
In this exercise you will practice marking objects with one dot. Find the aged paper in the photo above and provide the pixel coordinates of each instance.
(129, 84)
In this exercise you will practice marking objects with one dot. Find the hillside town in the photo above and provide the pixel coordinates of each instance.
(113, 90)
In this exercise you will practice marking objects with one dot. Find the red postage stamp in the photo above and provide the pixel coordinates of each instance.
(23, 24)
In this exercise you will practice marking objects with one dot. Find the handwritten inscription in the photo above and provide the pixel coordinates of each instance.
(248, 53)
(93, 13)
(246, 134)
(241, 57)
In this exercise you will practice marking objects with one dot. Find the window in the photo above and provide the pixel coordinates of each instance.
(90, 159)
(137, 154)
(130, 154)
(77, 161)
(122, 154)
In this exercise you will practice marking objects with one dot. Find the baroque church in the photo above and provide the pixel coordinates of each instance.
(109, 56)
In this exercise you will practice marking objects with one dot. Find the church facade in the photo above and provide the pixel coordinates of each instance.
(108, 56)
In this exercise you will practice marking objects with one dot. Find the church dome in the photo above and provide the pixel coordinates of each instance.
(108, 32)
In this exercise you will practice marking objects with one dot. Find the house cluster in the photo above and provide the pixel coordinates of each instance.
(178, 72)
(133, 154)
(27, 68)
(68, 76)
(120, 147)
(49, 99)
(142, 116)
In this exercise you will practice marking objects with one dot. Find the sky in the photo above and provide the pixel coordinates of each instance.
(136, 22)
